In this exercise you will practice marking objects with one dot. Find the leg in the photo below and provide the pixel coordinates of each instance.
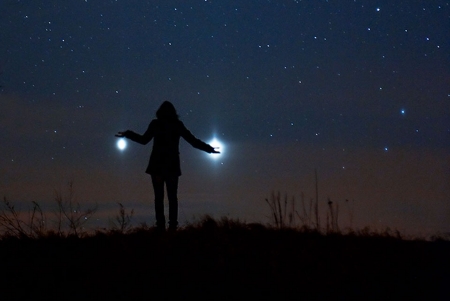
(172, 191)
(158, 189)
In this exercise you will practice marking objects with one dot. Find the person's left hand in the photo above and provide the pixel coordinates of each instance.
(214, 151)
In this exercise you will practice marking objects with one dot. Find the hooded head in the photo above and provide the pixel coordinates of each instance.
(167, 111)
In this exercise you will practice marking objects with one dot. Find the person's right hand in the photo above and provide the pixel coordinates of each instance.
(120, 134)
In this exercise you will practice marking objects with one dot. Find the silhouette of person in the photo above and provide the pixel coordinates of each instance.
(164, 163)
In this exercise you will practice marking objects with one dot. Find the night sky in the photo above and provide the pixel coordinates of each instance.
(357, 90)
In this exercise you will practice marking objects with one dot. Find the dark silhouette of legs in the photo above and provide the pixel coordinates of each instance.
(172, 191)
(158, 189)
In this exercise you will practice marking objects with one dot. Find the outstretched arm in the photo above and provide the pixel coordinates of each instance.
(142, 139)
(197, 143)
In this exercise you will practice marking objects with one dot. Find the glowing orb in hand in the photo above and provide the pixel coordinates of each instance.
(218, 147)
(121, 144)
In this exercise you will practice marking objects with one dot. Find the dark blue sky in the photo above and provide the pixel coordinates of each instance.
(358, 90)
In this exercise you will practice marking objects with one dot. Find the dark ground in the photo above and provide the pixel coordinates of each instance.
(229, 261)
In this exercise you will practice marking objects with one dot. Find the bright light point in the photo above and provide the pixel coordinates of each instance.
(218, 146)
(121, 144)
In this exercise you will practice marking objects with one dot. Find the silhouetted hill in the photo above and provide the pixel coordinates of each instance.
(224, 261)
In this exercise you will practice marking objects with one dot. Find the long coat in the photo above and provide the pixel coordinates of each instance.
(165, 155)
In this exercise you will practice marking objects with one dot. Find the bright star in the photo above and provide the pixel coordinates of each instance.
(121, 144)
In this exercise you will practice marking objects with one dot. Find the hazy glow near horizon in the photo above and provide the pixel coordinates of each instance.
(121, 144)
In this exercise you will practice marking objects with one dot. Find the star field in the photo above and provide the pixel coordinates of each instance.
(358, 90)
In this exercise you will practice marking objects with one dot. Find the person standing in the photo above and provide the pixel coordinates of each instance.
(164, 163)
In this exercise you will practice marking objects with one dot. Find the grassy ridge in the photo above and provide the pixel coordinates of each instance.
(224, 260)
